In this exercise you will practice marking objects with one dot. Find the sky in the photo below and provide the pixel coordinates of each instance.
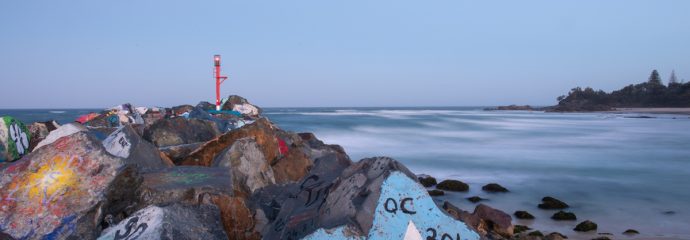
(94, 54)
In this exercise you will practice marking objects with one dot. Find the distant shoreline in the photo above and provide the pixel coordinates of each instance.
(660, 110)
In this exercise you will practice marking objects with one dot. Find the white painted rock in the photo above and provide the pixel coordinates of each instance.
(62, 131)
(126, 143)
(169, 222)
(14, 139)
(246, 109)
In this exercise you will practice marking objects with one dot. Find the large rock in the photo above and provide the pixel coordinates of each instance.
(126, 143)
(586, 226)
(63, 190)
(176, 131)
(247, 164)
(453, 185)
(113, 117)
(201, 185)
(288, 161)
(376, 198)
(552, 203)
(169, 222)
(178, 152)
(241, 105)
(39, 131)
(14, 139)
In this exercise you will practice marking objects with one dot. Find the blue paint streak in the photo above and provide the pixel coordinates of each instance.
(56, 233)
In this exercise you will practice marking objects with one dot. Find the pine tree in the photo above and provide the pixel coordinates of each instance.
(654, 77)
(673, 79)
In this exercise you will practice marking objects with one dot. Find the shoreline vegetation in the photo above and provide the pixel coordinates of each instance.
(652, 96)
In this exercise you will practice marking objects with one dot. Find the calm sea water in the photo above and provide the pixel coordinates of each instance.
(617, 171)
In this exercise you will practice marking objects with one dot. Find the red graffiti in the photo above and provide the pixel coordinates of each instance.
(282, 147)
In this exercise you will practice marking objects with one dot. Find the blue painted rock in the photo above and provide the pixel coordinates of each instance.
(376, 198)
(64, 189)
(14, 139)
(169, 222)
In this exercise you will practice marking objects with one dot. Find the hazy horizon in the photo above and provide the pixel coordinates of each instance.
(87, 54)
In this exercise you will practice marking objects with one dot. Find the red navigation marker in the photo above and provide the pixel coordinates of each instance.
(219, 79)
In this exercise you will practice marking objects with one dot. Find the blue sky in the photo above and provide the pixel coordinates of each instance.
(56, 54)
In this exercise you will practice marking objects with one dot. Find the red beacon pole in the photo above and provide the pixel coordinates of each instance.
(219, 79)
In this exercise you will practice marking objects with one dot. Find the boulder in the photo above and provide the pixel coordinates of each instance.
(436, 192)
(475, 199)
(62, 131)
(631, 232)
(126, 143)
(169, 222)
(453, 185)
(520, 228)
(113, 117)
(486, 220)
(64, 190)
(561, 215)
(494, 188)
(181, 111)
(241, 105)
(39, 131)
(176, 131)
(586, 226)
(206, 106)
(426, 180)
(14, 139)
(376, 198)
(247, 165)
(523, 215)
(555, 236)
(552, 203)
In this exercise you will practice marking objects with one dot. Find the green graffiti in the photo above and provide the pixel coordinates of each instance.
(18, 138)
(189, 178)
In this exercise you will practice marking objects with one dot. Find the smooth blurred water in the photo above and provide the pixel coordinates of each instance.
(617, 171)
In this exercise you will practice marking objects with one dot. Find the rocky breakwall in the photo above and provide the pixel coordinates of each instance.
(190, 172)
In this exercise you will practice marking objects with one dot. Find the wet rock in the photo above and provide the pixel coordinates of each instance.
(485, 220)
(561, 215)
(520, 228)
(586, 226)
(426, 180)
(669, 212)
(494, 187)
(555, 236)
(64, 190)
(14, 139)
(453, 185)
(535, 234)
(126, 143)
(523, 215)
(631, 232)
(169, 222)
(475, 199)
(178, 152)
(247, 164)
(436, 192)
(552, 203)
(62, 131)
(376, 198)
(39, 131)
(177, 131)
(601, 238)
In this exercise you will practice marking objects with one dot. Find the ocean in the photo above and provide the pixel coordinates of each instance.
(618, 170)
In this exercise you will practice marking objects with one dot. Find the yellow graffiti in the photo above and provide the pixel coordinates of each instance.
(52, 179)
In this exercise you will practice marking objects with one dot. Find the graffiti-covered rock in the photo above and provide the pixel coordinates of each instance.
(39, 131)
(62, 131)
(178, 152)
(113, 117)
(126, 143)
(174, 221)
(14, 139)
(241, 105)
(376, 198)
(185, 184)
(176, 131)
(64, 189)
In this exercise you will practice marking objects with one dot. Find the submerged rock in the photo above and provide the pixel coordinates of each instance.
(426, 180)
(436, 192)
(65, 189)
(520, 228)
(586, 226)
(169, 222)
(523, 215)
(475, 199)
(561, 215)
(494, 187)
(453, 185)
(552, 203)
(631, 232)
(14, 139)
(555, 236)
